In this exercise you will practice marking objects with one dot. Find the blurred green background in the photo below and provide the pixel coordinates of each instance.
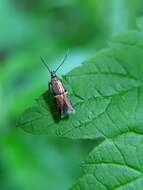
(29, 29)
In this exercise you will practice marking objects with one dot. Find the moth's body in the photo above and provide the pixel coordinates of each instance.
(59, 92)
(61, 96)
(57, 86)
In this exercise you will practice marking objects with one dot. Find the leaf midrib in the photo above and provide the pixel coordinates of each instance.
(114, 164)
(93, 119)
(104, 73)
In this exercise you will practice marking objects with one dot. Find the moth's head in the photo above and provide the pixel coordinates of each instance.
(53, 74)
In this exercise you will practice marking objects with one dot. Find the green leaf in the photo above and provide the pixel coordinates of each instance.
(99, 88)
(115, 164)
(107, 92)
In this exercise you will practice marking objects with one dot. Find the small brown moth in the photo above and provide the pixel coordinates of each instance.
(59, 92)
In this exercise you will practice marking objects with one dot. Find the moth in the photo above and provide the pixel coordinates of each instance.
(60, 93)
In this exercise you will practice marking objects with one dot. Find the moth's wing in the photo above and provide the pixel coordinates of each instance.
(60, 102)
(68, 108)
(64, 105)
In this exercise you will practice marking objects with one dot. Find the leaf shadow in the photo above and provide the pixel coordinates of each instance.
(99, 141)
(50, 102)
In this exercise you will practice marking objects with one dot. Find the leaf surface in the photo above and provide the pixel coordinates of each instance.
(107, 93)
(98, 89)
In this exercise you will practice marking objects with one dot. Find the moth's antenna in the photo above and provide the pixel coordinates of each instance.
(65, 57)
(45, 64)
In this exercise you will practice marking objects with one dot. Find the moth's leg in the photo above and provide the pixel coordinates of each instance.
(49, 86)
(66, 92)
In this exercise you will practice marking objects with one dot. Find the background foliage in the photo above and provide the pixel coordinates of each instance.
(30, 29)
